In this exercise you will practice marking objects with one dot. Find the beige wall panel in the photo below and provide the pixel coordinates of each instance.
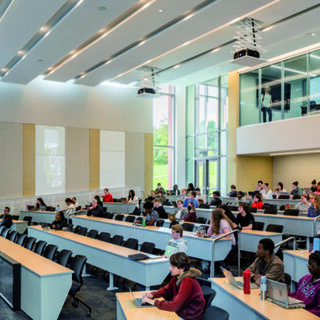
(303, 168)
(148, 162)
(77, 159)
(134, 159)
(29, 160)
(11, 142)
(94, 159)
(252, 169)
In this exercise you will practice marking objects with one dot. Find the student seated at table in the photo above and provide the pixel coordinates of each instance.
(308, 288)
(244, 219)
(226, 210)
(304, 205)
(160, 189)
(161, 196)
(314, 209)
(266, 192)
(107, 196)
(159, 208)
(60, 222)
(98, 198)
(267, 264)
(40, 205)
(7, 218)
(70, 208)
(183, 194)
(192, 215)
(216, 201)
(132, 198)
(318, 189)
(182, 212)
(241, 197)
(191, 198)
(295, 192)
(151, 215)
(176, 243)
(183, 294)
(233, 191)
(74, 199)
(280, 189)
(191, 188)
(257, 203)
(200, 196)
(175, 191)
(313, 185)
(95, 210)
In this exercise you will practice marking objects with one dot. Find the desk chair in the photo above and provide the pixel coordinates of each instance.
(147, 247)
(83, 231)
(1, 216)
(139, 219)
(109, 215)
(233, 208)
(64, 257)
(92, 234)
(174, 222)
(201, 220)
(21, 239)
(30, 243)
(187, 226)
(284, 196)
(131, 244)
(130, 218)
(252, 210)
(104, 236)
(29, 219)
(117, 240)
(15, 217)
(291, 212)
(78, 263)
(12, 236)
(4, 232)
(40, 246)
(258, 225)
(119, 217)
(160, 223)
(215, 313)
(208, 295)
(1, 228)
(274, 228)
(50, 251)
(271, 210)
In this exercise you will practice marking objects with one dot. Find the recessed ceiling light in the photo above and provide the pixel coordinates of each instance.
(160, 10)
(215, 50)
(186, 43)
(313, 34)
(108, 61)
(21, 52)
(4, 69)
(142, 43)
(176, 66)
(44, 28)
(267, 29)
(188, 17)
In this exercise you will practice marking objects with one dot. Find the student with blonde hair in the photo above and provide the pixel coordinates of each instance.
(314, 210)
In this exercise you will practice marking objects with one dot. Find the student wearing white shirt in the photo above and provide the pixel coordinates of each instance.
(266, 103)
(200, 196)
(132, 198)
(266, 193)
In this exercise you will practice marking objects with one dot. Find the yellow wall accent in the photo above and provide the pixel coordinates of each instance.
(148, 162)
(29, 160)
(94, 159)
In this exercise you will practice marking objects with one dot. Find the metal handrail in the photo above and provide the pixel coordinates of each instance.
(315, 232)
(285, 241)
(214, 246)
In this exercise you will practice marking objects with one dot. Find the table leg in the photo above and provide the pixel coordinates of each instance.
(308, 243)
(111, 286)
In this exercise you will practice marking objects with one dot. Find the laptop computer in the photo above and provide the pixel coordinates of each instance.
(138, 301)
(278, 294)
(124, 200)
(234, 282)
(174, 203)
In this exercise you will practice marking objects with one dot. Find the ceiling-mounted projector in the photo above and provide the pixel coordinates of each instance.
(147, 92)
(247, 57)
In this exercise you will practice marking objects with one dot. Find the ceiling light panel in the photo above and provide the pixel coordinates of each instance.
(133, 30)
(67, 35)
(21, 22)
(215, 15)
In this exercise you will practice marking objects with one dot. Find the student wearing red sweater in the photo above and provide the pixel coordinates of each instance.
(183, 293)
(107, 197)
(257, 201)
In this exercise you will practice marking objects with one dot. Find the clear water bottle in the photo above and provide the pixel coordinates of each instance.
(263, 288)
(58, 208)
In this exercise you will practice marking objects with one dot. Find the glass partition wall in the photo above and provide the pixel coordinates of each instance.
(286, 89)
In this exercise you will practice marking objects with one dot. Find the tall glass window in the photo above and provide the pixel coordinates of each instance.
(207, 136)
(50, 160)
(163, 137)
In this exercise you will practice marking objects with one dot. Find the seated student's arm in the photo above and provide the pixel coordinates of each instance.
(164, 292)
(179, 300)
(150, 222)
(249, 227)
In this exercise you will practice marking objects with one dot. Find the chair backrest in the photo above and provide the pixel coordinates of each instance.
(40, 246)
(83, 231)
(1, 228)
(282, 207)
(64, 257)
(233, 208)
(50, 251)
(147, 247)
(274, 228)
(30, 243)
(160, 223)
(14, 217)
(77, 265)
(139, 219)
(284, 196)
(208, 295)
(258, 225)
(12, 236)
(4, 232)
(201, 220)
(287, 280)
(104, 236)
(187, 226)
(215, 313)
(174, 222)
(131, 244)
(77, 229)
(271, 210)
(21, 239)
(291, 212)
(204, 206)
(136, 211)
(117, 239)
(92, 234)
(119, 217)
(28, 218)
(252, 210)
(130, 218)
(109, 215)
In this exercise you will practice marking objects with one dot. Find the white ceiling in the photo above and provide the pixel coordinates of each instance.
(93, 41)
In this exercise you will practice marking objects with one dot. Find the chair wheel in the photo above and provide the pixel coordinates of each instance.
(89, 314)
(75, 304)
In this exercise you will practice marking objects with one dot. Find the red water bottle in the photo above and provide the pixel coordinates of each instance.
(246, 281)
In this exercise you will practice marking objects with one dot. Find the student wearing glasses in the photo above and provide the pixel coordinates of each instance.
(7, 218)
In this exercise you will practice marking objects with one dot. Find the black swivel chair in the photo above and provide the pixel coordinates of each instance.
(274, 228)
(119, 217)
(64, 257)
(109, 215)
(131, 244)
(92, 234)
(139, 219)
(30, 243)
(187, 226)
(271, 210)
(252, 210)
(12, 236)
(258, 225)
(160, 223)
(208, 295)
(83, 231)
(117, 240)
(76, 229)
(29, 219)
(4, 232)
(21, 239)
(291, 212)
(104, 236)
(174, 222)
(14, 217)
(201, 220)
(40, 246)
(50, 251)
(215, 313)
(130, 218)
(78, 263)
(147, 247)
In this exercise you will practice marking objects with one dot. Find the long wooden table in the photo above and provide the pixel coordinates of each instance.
(295, 263)
(118, 207)
(202, 248)
(249, 306)
(44, 284)
(39, 216)
(127, 309)
(107, 256)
